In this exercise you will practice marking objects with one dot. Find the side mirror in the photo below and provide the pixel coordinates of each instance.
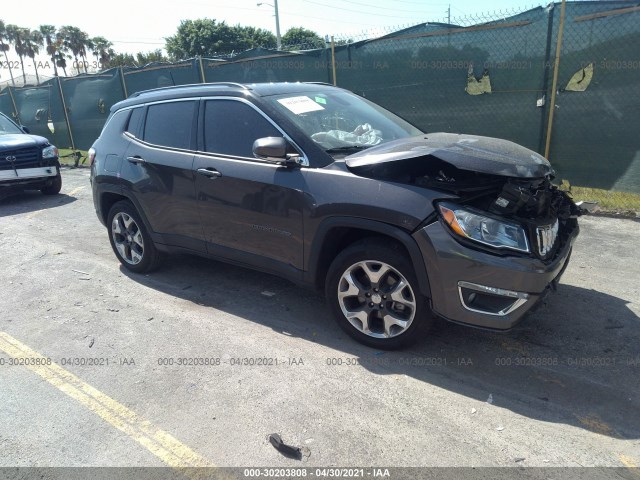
(273, 150)
(25, 129)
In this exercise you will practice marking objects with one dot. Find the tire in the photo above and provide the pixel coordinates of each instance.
(130, 240)
(54, 187)
(372, 271)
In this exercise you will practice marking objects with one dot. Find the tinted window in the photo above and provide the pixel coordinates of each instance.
(231, 127)
(170, 124)
(133, 127)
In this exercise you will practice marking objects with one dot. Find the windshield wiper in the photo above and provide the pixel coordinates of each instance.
(348, 148)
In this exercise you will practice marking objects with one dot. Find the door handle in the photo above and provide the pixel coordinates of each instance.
(209, 172)
(136, 160)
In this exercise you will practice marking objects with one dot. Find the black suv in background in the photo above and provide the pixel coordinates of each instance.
(27, 162)
(327, 189)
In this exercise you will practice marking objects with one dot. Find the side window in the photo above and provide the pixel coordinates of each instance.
(170, 124)
(231, 127)
(133, 127)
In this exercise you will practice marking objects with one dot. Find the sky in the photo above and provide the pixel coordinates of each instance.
(142, 25)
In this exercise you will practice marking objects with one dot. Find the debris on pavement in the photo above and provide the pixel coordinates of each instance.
(287, 450)
(473, 410)
(267, 293)
(490, 399)
(500, 428)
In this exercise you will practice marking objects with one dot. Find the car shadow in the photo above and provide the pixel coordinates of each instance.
(31, 200)
(575, 360)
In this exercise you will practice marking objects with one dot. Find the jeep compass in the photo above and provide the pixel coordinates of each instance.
(329, 190)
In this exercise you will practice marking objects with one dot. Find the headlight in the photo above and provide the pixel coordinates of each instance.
(486, 230)
(49, 152)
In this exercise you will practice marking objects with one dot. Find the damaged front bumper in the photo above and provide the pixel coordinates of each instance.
(478, 288)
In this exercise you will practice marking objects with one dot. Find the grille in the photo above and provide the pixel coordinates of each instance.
(22, 156)
(546, 237)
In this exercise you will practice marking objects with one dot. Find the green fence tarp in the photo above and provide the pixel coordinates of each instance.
(37, 106)
(88, 99)
(595, 139)
(490, 79)
(162, 75)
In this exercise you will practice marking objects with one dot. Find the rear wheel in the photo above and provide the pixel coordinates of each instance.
(54, 186)
(130, 240)
(373, 292)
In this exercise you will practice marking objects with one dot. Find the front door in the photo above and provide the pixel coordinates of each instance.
(251, 211)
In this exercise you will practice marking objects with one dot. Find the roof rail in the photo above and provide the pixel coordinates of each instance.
(190, 85)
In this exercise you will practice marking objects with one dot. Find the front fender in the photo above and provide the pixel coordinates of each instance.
(322, 235)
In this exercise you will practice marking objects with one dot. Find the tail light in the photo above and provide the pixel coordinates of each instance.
(91, 155)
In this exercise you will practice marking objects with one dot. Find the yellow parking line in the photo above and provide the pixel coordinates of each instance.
(594, 423)
(164, 446)
(627, 461)
(75, 190)
(630, 464)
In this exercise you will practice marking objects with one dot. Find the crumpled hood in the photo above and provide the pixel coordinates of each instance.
(15, 141)
(488, 155)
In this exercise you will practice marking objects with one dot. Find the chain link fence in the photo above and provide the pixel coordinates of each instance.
(495, 75)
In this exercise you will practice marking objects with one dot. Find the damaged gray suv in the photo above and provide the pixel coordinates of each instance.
(329, 190)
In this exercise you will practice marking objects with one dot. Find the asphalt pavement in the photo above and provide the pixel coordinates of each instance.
(197, 363)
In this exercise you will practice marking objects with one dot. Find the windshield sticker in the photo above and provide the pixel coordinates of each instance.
(321, 100)
(300, 105)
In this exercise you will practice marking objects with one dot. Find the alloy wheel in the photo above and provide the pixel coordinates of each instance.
(127, 238)
(376, 299)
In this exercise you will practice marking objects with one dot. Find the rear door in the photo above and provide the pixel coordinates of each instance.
(159, 167)
(251, 211)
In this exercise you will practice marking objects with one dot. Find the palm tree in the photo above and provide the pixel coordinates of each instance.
(17, 36)
(4, 47)
(62, 53)
(77, 41)
(32, 42)
(102, 51)
(51, 44)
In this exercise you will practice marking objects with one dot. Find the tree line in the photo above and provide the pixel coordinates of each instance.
(201, 37)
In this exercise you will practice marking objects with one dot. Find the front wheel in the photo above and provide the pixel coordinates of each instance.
(373, 292)
(54, 186)
(130, 240)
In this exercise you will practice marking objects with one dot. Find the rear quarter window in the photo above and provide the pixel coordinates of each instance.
(115, 124)
(133, 126)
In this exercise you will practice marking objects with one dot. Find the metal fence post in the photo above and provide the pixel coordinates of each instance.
(15, 107)
(202, 76)
(545, 79)
(554, 84)
(124, 83)
(333, 61)
(66, 114)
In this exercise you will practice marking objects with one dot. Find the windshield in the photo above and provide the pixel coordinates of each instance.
(341, 121)
(8, 127)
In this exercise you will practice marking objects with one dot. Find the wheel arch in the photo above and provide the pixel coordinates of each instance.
(110, 196)
(336, 233)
